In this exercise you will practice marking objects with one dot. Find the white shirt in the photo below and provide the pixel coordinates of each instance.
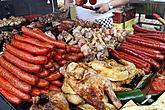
(87, 14)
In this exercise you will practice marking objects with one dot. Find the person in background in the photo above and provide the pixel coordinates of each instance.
(101, 14)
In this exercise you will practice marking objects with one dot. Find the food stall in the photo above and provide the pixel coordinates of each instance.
(148, 7)
(53, 61)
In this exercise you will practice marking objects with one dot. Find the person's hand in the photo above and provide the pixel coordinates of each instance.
(102, 8)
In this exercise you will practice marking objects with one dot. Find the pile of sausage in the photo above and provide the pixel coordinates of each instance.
(29, 65)
(145, 49)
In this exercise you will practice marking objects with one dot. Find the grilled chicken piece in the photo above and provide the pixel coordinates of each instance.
(50, 101)
(89, 85)
(119, 73)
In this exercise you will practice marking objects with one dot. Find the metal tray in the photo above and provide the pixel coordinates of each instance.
(6, 105)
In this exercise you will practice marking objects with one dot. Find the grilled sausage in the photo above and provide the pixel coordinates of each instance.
(49, 64)
(53, 76)
(11, 98)
(56, 65)
(35, 91)
(147, 42)
(42, 83)
(13, 80)
(43, 74)
(57, 83)
(43, 37)
(29, 48)
(30, 79)
(22, 64)
(140, 56)
(54, 88)
(26, 56)
(155, 54)
(5, 85)
(139, 29)
(34, 41)
(141, 48)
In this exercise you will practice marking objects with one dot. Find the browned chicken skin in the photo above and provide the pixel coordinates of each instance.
(89, 85)
(118, 73)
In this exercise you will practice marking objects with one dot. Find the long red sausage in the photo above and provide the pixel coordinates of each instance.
(155, 37)
(25, 55)
(54, 76)
(140, 56)
(5, 85)
(154, 56)
(70, 57)
(134, 59)
(22, 64)
(49, 64)
(11, 98)
(29, 48)
(57, 83)
(57, 57)
(140, 29)
(147, 42)
(63, 62)
(44, 91)
(139, 63)
(80, 55)
(114, 54)
(145, 69)
(56, 65)
(43, 37)
(51, 55)
(35, 91)
(30, 79)
(42, 83)
(142, 50)
(73, 49)
(51, 70)
(33, 41)
(13, 80)
(150, 34)
(54, 88)
(43, 74)
(117, 56)
(61, 51)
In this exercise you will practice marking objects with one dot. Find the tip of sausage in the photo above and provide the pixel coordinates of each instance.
(42, 83)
